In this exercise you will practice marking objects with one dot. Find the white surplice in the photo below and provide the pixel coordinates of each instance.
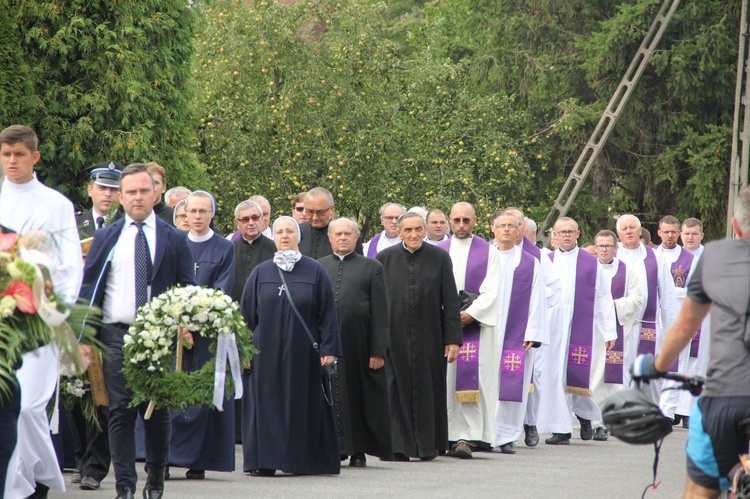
(34, 207)
(665, 316)
(474, 420)
(626, 307)
(555, 405)
(509, 416)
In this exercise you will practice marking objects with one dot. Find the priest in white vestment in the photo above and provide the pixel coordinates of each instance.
(388, 237)
(585, 310)
(659, 299)
(472, 379)
(521, 291)
(28, 205)
(625, 289)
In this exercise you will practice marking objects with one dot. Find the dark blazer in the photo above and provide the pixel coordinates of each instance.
(85, 223)
(173, 261)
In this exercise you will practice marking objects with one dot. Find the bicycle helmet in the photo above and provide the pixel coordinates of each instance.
(631, 416)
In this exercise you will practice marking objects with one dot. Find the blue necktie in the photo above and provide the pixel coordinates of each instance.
(142, 266)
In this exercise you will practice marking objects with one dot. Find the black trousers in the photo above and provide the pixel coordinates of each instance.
(10, 408)
(122, 418)
(92, 454)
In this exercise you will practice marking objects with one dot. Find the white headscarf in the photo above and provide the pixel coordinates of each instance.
(286, 259)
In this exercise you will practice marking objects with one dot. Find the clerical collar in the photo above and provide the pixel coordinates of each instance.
(570, 250)
(342, 257)
(251, 241)
(608, 264)
(407, 249)
(201, 239)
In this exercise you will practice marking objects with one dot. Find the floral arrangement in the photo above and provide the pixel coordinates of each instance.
(76, 390)
(153, 344)
(30, 314)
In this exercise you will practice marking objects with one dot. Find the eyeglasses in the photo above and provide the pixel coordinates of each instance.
(390, 219)
(181, 217)
(320, 213)
(196, 212)
(464, 220)
(605, 246)
(669, 232)
(506, 226)
(245, 220)
(565, 232)
(299, 209)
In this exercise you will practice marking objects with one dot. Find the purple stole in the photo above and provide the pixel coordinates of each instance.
(236, 235)
(531, 248)
(647, 338)
(513, 359)
(467, 363)
(580, 347)
(372, 249)
(680, 270)
(614, 359)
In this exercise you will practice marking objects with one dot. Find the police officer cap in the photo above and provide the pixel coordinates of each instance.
(107, 173)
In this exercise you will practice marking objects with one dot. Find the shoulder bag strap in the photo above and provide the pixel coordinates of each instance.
(296, 312)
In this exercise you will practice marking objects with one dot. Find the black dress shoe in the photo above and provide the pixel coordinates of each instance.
(558, 439)
(429, 458)
(676, 420)
(195, 474)
(89, 483)
(686, 422)
(124, 493)
(532, 436)
(358, 461)
(587, 432)
(263, 472)
(509, 448)
(401, 457)
(154, 488)
(75, 477)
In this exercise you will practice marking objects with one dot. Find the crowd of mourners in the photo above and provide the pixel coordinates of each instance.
(440, 343)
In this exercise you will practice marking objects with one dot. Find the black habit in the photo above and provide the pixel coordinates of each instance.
(247, 256)
(315, 242)
(287, 423)
(424, 317)
(362, 407)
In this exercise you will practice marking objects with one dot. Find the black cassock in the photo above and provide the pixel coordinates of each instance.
(287, 423)
(362, 393)
(247, 256)
(424, 317)
(315, 242)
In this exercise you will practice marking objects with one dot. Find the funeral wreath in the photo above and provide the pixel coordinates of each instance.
(153, 343)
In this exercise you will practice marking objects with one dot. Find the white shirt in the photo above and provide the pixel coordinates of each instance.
(119, 295)
(35, 207)
(383, 243)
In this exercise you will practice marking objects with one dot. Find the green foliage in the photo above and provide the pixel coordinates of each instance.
(14, 86)
(297, 96)
(110, 80)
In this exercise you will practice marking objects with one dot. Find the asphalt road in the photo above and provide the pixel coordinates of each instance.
(590, 469)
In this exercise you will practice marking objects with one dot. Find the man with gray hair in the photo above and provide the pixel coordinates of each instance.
(265, 206)
(389, 214)
(320, 211)
(530, 229)
(362, 305)
(249, 249)
(425, 330)
(659, 299)
(175, 195)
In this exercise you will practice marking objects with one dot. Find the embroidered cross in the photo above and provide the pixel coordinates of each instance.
(468, 352)
(580, 354)
(512, 362)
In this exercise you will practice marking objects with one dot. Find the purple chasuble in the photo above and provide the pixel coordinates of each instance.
(531, 248)
(372, 249)
(614, 359)
(680, 270)
(580, 348)
(647, 339)
(467, 363)
(513, 359)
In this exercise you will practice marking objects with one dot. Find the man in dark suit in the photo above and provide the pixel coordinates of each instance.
(102, 190)
(119, 277)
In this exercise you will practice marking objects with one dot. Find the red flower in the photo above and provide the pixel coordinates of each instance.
(23, 295)
(7, 240)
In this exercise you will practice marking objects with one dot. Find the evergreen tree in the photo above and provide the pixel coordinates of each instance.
(111, 80)
(14, 88)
